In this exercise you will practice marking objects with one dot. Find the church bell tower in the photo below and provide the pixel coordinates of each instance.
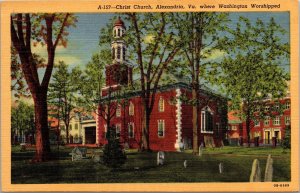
(119, 72)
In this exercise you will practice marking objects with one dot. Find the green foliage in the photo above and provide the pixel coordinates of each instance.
(286, 141)
(61, 96)
(22, 118)
(113, 154)
(90, 86)
(250, 72)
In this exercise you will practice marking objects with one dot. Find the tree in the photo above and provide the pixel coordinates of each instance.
(49, 30)
(154, 46)
(90, 88)
(62, 94)
(250, 72)
(286, 141)
(199, 33)
(113, 154)
(22, 120)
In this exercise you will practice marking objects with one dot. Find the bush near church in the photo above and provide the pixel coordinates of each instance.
(113, 154)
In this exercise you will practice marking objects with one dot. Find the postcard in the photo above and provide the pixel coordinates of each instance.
(154, 96)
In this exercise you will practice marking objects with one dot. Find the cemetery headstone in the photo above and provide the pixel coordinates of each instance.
(255, 172)
(185, 164)
(269, 169)
(160, 158)
(201, 148)
(221, 168)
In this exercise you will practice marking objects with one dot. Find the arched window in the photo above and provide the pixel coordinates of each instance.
(161, 128)
(118, 111)
(207, 124)
(124, 52)
(131, 108)
(113, 53)
(161, 105)
(119, 52)
(130, 130)
(119, 32)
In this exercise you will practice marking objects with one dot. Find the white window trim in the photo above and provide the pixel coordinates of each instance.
(118, 111)
(256, 123)
(163, 124)
(131, 108)
(287, 118)
(287, 105)
(131, 123)
(163, 104)
(276, 120)
(202, 122)
(267, 119)
(118, 125)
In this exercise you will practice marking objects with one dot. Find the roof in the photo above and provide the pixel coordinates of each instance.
(182, 85)
(119, 22)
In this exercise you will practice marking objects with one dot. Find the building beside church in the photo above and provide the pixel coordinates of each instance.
(265, 129)
(171, 118)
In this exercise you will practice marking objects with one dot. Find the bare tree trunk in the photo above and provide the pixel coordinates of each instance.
(145, 133)
(195, 121)
(41, 124)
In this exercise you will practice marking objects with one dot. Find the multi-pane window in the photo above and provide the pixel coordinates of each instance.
(267, 108)
(119, 32)
(131, 108)
(287, 105)
(119, 52)
(233, 127)
(130, 130)
(276, 120)
(118, 130)
(257, 109)
(276, 107)
(267, 121)
(118, 111)
(161, 128)
(287, 120)
(161, 105)
(76, 126)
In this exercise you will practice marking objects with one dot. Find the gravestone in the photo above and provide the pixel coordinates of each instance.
(221, 168)
(160, 158)
(185, 164)
(201, 148)
(269, 170)
(181, 146)
(255, 172)
(78, 153)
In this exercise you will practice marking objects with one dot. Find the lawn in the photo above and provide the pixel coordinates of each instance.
(141, 167)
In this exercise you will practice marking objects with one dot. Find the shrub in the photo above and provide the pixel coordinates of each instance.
(286, 141)
(113, 154)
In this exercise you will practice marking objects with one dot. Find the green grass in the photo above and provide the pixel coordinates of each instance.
(237, 167)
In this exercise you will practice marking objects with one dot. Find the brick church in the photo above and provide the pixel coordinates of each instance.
(171, 118)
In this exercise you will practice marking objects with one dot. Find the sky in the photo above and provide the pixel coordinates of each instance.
(83, 40)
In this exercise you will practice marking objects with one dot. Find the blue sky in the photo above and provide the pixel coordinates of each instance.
(83, 40)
